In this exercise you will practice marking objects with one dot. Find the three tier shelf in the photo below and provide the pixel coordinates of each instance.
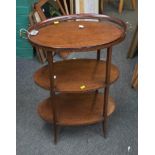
(74, 84)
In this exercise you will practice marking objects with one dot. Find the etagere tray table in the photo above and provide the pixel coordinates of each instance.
(73, 84)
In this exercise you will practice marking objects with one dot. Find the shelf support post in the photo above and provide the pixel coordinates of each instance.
(98, 54)
(98, 58)
(52, 92)
(106, 90)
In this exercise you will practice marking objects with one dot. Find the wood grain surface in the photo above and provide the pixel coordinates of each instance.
(75, 109)
(72, 74)
(68, 36)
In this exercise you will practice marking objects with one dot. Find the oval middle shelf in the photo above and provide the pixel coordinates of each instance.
(76, 75)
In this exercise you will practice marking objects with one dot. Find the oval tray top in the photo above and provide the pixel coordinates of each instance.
(78, 32)
(79, 75)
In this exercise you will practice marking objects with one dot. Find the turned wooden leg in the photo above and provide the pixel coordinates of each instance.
(133, 3)
(120, 8)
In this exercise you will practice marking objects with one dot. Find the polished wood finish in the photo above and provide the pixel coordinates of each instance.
(77, 38)
(68, 36)
(52, 93)
(73, 84)
(75, 109)
(106, 90)
(71, 74)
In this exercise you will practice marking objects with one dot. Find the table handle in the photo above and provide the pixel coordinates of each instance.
(24, 33)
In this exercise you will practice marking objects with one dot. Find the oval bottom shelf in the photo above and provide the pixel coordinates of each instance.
(75, 109)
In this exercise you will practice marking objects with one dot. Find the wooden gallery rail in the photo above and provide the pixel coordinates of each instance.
(74, 84)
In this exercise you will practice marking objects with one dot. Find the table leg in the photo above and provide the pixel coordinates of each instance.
(106, 90)
(98, 58)
(98, 54)
(52, 93)
(55, 127)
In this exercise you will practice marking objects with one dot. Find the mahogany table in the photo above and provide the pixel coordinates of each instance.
(73, 84)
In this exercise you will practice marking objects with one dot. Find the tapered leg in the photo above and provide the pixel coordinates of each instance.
(55, 126)
(106, 90)
(96, 91)
(52, 93)
(106, 94)
(55, 129)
